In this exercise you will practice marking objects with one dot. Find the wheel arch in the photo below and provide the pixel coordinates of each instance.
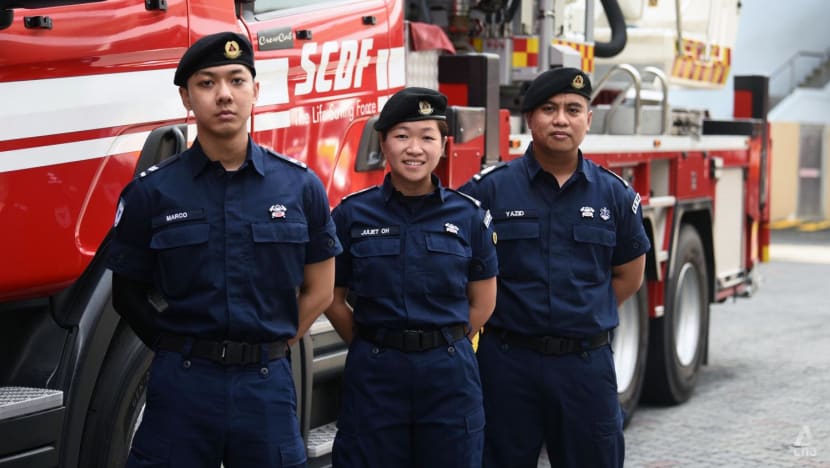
(698, 214)
(87, 311)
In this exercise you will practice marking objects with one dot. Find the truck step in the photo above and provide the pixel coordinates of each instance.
(321, 440)
(18, 401)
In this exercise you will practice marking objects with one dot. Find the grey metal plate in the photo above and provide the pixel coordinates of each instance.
(18, 401)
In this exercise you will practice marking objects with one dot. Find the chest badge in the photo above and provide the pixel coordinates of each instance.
(451, 228)
(277, 211)
(605, 213)
(587, 212)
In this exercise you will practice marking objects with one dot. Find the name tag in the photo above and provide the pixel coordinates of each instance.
(379, 231)
(514, 213)
(178, 216)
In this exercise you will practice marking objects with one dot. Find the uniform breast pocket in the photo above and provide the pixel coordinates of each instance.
(447, 263)
(279, 254)
(183, 258)
(518, 247)
(592, 252)
(376, 268)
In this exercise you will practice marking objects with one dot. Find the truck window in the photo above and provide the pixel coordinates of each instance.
(267, 6)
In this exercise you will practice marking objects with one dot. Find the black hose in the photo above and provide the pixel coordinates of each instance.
(618, 34)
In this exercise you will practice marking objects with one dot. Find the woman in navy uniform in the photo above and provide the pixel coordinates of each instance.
(235, 245)
(418, 269)
(571, 248)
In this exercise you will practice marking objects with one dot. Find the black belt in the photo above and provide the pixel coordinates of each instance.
(230, 353)
(411, 340)
(549, 345)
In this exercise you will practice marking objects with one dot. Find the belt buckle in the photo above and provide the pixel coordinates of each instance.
(553, 345)
(233, 352)
(412, 340)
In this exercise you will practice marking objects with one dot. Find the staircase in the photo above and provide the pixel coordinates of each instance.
(805, 69)
(818, 77)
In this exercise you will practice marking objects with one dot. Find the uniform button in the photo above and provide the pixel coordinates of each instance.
(504, 346)
(263, 372)
(451, 349)
(331, 242)
(375, 350)
(186, 364)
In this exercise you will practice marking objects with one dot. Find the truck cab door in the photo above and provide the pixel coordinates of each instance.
(325, 67)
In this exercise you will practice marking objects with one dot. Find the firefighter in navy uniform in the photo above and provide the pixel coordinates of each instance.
(571, 247)
(234, 246)
(418, 269)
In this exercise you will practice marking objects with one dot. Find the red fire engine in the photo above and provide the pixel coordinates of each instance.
(88, 101)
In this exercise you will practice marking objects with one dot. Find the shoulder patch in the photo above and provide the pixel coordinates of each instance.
(464, 195)
(625, 182)
(367, 189)
(489, 170)
(155, 167)
(285, 158)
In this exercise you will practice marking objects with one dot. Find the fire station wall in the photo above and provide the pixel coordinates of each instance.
(800, 188)
(784, 182)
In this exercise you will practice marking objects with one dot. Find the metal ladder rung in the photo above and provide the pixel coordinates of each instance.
(19, 401)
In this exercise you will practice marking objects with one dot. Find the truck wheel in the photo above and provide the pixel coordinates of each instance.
(630, 347)
(117, 402)
(678, 339)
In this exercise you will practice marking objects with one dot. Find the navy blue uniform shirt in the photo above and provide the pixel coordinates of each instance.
(556, 246)
(407, 260)
(226, 249)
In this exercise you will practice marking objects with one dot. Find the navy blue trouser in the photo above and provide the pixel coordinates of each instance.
(200, 414)
(569, 402)
(420, 409)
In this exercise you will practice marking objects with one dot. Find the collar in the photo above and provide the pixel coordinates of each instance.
(533, 168)
(389, 190)
(199, 162)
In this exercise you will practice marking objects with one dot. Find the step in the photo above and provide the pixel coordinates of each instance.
(19, 401)
(321, 440)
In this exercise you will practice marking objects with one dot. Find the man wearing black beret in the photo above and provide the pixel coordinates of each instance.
(419, 266)
(236, 246)
(571, 248)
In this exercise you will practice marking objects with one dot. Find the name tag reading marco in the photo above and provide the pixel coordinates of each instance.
(379, 231)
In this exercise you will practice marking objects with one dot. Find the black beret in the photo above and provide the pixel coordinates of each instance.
(216, 49)
(556, 81)
(411, 104)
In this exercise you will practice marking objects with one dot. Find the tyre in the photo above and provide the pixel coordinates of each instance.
(630, 347)
(678, 339)
(117, 402)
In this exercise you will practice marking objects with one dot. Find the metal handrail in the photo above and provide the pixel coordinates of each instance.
(664, 101)
(636, 81)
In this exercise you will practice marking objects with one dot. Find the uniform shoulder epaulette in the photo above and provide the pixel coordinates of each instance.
(358, 192)
(162, 163)
(489, 170)
(464, 195)
(285, 158)
(625, 182)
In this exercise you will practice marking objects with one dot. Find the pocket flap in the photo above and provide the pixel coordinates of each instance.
(285, 232)
(376, 247)
(443, 243)
(594, 235)
(180, 236)
(517, 230)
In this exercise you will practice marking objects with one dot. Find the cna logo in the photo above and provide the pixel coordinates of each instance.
(802, 446)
